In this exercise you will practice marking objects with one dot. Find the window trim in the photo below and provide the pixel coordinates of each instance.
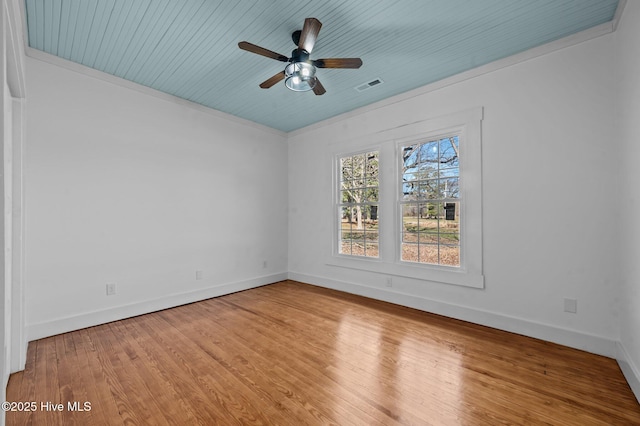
(337, 205)
(426, 138)
(468, 125)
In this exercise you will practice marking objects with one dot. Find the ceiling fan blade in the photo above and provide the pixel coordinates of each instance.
(338, 63)
(319, 89)
(250, 47)
(309, 34)
(273, 80)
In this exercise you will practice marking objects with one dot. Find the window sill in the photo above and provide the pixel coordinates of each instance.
(435, 274)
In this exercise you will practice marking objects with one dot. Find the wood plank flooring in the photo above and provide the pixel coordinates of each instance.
(295, 354)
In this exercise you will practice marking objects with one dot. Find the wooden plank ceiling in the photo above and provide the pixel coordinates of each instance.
(189, 48)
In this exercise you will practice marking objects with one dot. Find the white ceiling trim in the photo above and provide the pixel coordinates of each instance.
(111, 79)
(15, 53)
(591, 33)
(618, 14)
(563, 43)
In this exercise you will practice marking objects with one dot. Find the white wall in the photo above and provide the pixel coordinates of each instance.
(127, 188)
(548, 177)
(627, 68)
(10, 126)
(5, 287)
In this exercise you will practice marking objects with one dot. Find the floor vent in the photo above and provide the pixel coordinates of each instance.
(369, 85)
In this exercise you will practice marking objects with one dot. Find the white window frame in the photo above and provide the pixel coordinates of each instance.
(337, 204)
(468, 126)
(400, 193)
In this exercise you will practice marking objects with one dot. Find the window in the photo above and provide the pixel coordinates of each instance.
(431, 187)
(358, 205)
(430, 203)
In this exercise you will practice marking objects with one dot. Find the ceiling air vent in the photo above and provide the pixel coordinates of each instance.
(368, 85)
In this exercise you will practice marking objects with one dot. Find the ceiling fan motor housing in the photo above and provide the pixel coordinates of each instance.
(299, 55)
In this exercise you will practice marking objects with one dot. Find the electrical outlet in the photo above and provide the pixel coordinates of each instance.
(389, 282)
(571, 305)
(111, 289)
(199, 275)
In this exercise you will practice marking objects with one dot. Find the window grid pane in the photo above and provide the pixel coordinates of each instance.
(430, 203)
(358, 205)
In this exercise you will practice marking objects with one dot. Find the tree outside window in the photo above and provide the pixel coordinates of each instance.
(358, 205)
(430, 203)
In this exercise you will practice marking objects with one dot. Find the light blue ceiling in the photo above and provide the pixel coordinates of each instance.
(189, 48)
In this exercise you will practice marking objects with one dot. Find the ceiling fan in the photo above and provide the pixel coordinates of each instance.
(300, 73)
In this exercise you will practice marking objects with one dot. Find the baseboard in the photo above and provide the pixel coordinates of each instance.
(629, 369)
(571, 338)
(77, 322)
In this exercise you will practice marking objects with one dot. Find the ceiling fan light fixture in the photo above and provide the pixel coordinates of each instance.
(300, 76)
(300, 73)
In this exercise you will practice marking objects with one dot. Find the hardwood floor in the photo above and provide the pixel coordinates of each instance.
(295, 354)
